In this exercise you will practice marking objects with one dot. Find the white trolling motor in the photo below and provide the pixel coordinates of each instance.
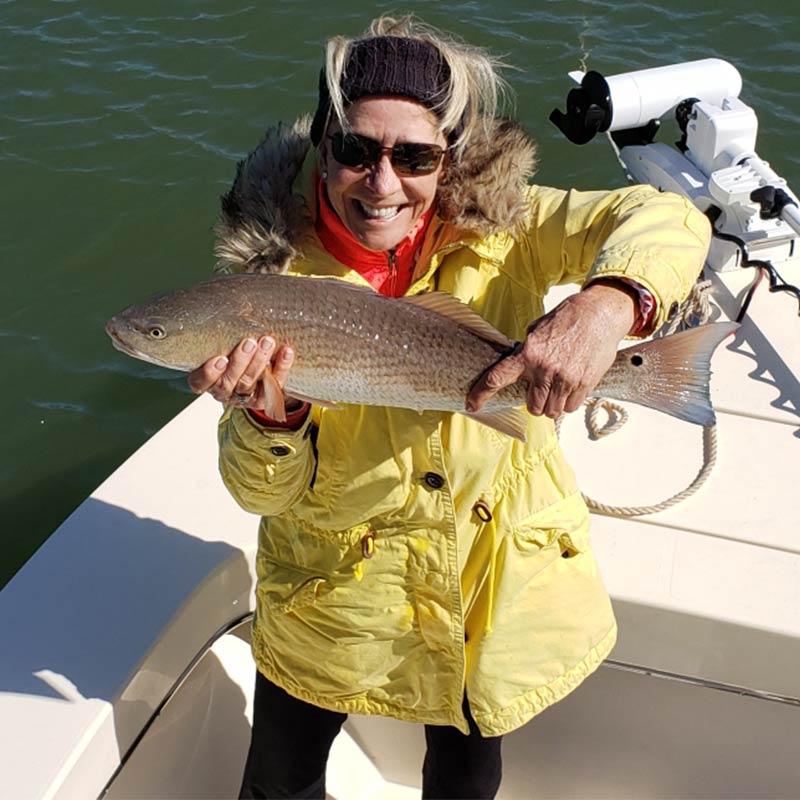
(755, 215)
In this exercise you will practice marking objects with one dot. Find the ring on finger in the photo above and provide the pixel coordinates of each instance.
(243, 398)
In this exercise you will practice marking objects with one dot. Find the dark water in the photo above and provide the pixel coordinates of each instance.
(120, 126)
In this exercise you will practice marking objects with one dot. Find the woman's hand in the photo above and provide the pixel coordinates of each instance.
(252, 376)
(565, 353)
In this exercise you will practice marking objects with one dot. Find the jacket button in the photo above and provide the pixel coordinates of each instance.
(280, 450)
(433, 480)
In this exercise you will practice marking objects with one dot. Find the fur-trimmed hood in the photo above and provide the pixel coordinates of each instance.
(266, 219)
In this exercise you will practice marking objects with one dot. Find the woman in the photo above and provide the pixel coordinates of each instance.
(424, 566)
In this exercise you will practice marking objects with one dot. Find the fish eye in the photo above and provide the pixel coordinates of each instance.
(156, 332)
(637, 361)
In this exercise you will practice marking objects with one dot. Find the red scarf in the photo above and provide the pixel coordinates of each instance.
(390, 272)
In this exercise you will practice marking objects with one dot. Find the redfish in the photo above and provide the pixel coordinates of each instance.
(422, 352)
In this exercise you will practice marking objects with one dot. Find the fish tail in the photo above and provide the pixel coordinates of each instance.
(671, 374)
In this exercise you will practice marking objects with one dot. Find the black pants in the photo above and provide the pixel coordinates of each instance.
(291, 740)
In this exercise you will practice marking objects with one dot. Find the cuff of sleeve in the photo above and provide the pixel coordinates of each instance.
(278, 441)
(646, 306)
(294, 419)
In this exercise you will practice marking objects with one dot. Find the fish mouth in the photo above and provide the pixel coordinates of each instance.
(117, 341)
(120, 344)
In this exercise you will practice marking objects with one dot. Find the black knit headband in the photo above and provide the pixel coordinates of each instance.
(387, 65)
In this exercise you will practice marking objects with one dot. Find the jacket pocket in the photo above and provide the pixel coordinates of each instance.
(305, 595)
(561, 530)
(284, 588)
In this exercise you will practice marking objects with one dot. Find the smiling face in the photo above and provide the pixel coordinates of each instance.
(378, 206)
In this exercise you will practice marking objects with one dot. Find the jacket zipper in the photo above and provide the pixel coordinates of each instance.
(392, 272)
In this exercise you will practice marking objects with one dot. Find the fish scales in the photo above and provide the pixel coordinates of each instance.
(353, 345)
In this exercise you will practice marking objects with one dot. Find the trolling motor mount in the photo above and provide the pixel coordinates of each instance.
(635, 99)
(715, 164)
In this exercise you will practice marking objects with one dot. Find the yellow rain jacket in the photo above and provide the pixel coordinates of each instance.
(407, 557)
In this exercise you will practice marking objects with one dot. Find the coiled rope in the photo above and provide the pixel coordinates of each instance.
(696, 310)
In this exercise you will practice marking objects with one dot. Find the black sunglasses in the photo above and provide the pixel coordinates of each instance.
(408, 158)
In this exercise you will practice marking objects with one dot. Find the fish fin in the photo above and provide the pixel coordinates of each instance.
(460, 313)
(510, 421)
(681, 373)
(330, 405)
(274, 405)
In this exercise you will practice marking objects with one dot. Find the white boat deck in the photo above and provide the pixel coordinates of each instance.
(109, 612)
(710, 588)
(104, 620)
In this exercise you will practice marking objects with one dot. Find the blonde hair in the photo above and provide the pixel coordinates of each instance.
(475, 89)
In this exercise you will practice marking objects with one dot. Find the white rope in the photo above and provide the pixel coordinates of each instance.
(617, 417)
(709, 460)
(696, 310)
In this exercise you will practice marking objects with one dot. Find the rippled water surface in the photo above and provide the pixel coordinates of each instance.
(120, 126)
